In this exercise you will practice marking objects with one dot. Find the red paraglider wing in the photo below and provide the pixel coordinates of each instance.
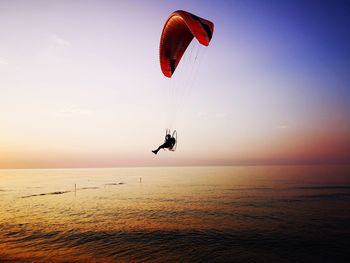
(178, 32)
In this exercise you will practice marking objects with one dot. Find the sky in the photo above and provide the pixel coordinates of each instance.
(81, 85)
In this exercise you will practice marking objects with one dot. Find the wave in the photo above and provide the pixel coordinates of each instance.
(60, 192)
(328, 187)
(115, 183)
(52, 193)
(327, 196)
(188, 245)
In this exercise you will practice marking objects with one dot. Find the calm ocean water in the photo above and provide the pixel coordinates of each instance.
(182, 214)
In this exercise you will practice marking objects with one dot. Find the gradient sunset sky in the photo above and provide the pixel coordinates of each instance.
(81, 84)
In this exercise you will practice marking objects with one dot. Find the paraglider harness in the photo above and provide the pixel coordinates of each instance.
(170, 137)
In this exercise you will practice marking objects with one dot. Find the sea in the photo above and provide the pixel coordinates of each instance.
(176, 214)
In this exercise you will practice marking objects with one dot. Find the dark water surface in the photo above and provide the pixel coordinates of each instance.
(187, 214)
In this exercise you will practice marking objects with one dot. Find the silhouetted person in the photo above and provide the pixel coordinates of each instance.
(169, 143)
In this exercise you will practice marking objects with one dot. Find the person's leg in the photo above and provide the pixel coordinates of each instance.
(160, 147)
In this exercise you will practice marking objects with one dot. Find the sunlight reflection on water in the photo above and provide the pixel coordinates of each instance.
(191, 214)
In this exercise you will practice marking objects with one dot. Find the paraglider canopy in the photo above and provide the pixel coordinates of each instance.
(178, 32)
